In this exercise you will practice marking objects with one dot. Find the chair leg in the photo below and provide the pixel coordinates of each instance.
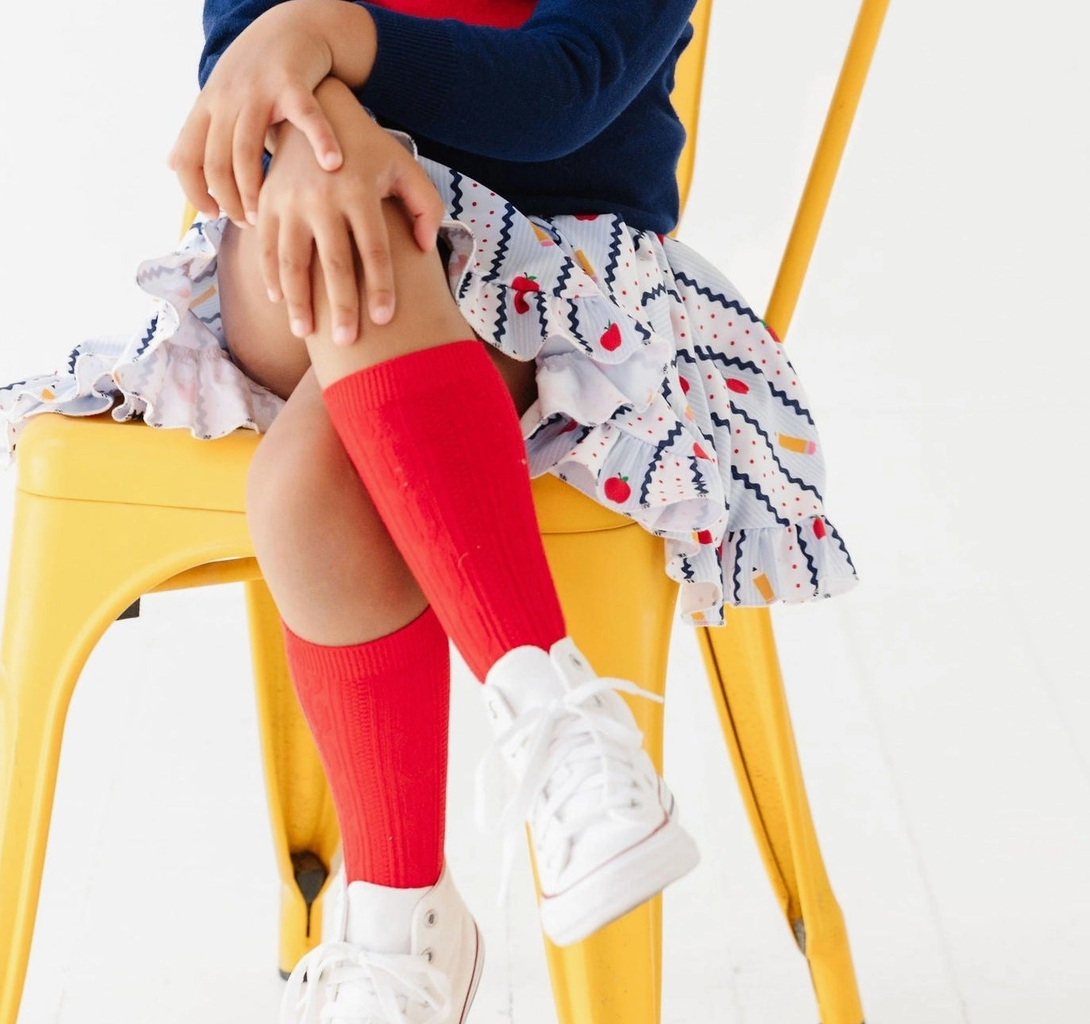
(75, 567)
(301, 811)
(32, 719)
(619, 608)
(748, 690)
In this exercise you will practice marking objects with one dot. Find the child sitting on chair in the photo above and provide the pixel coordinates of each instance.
(452, 275)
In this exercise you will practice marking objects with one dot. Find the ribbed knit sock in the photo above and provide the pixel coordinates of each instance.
(379, 714)
(435, 437)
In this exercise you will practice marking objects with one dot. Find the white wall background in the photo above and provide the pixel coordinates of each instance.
(942, 710)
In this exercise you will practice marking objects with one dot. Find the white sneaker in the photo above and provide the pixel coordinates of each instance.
(603, 825)
(403, 956)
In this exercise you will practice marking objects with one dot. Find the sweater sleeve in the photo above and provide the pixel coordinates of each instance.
(224, 22)
(532, 93)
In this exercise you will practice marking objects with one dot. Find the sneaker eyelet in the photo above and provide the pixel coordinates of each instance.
(430, 918)
(428, 954)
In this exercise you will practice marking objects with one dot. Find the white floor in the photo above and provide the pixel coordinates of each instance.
(942, 709)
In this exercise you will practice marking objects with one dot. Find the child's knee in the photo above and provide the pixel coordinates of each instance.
(295, 478)
(425, 313)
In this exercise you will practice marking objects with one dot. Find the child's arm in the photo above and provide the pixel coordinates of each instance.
(533, 93)
(304, 209)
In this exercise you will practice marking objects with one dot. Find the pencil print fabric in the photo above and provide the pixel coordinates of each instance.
(661, 394)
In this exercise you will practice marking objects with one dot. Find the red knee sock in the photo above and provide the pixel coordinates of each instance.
(379, 712)
(435, 438)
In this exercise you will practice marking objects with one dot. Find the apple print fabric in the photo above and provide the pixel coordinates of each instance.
(660, 393)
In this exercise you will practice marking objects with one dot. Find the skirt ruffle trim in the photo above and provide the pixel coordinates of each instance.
(661, 395)
(175, 372)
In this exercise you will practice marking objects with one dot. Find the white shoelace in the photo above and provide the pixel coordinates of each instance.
(372, 988)
(592, 745)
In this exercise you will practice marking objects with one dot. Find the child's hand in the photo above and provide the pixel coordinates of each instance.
(267, 75)
(303, 210)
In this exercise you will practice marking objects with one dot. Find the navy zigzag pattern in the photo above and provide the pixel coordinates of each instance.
(652, 293)
(682, 356)
(801, 484)
(456, 194)
(573, 322)
(832, 530)
(613, 255)
(736, 576)
(699, 480)
(706, 352)
(499, 325)
(565, 275)
(792, 402)
(645, 485)
(542, 314)
(810, 563)
(751, 486)
(722, 300)
(145, 341)
(715, 356)
(503, 243)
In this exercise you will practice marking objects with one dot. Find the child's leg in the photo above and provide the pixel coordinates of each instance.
(435, 437)
(434, 434)
(369, 659)
(333, 571)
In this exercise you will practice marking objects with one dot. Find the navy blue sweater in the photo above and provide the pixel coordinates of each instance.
(568, 113)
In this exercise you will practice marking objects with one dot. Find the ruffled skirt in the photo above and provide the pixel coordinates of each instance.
(661, 394)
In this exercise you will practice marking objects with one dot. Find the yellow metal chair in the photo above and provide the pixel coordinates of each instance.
(107, 512)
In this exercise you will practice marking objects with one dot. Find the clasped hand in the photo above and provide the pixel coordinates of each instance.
(332, 168)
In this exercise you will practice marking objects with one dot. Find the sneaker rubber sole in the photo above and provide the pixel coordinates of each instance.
(620, 885)
(478, 967)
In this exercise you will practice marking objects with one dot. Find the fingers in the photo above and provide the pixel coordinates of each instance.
(286, 252)
(248, 146)
(208, 154)
(295, 250)
(373, 243)
(301, 108)
(268, 237)
(423, 204)
(338, 265)
(219, 168)
(218, 158)
(187, 161)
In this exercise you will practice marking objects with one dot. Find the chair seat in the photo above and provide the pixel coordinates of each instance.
(97, 459)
